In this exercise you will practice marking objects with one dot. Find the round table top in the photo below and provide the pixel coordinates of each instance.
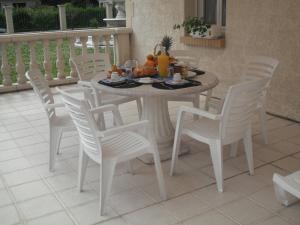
(208, 81)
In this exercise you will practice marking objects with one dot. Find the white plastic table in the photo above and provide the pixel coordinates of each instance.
(155, 107)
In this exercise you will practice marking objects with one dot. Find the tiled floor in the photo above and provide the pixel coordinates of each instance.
(30, 194)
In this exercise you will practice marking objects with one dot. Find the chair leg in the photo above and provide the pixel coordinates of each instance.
(139, 107)
(208, 96)
(55, 136)
(159, 174)
(176, 145)
(82, 165)
(247, 140)
(263, 124)
(234, 149)
(217, 160)
(106, 177)
(196, 104)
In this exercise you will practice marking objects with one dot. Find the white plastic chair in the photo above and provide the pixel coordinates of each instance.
(107, 148)
(287, 189)
(88, 67)
(258, 67)
(57, 124)
(217, 130)
(190, 59)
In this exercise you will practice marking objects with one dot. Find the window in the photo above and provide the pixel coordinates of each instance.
(213, 11)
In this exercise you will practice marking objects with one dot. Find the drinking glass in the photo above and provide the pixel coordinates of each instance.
(129, 66)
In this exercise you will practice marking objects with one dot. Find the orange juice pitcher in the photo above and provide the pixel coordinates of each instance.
(163, 63)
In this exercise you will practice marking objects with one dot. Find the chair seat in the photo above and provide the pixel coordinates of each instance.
(124, 144)
(202, 129)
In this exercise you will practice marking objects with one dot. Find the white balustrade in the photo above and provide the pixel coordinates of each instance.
(20, 67)
(34, 40)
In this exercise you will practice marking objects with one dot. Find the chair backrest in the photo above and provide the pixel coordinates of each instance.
(260, 67)
(239, 107)
(87, 66)
(84, 121)
(185, 56)
(41, 89)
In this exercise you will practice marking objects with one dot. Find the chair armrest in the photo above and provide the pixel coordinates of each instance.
(199, 112)
(128, 127)
(84, 83)
(109, 108)
(70, 90)
(55, 105)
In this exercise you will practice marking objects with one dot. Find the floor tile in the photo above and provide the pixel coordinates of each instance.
(64, 181)
(35, 148)
(88, 214)
(21, 176)
(290, 163)
(13, 165)
(213, 198)
(33, 139)
(129, 201)
(185, 206)
(9, 215)
(72, 197)
(266, 197)
(4, 198)
(6, 145)
(29, 190)
(210, 218)
(10, 154)
(267, 155)
(274, 221)
(291, 213)
(60, 218)
(245, 211)
(151, 215)
(117, 221)
(286, 147)
(228, 170)
(39, 206)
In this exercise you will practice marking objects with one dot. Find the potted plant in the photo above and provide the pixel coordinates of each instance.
(194, 26)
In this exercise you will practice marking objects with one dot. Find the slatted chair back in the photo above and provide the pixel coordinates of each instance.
(41, 89)
(85, 123)
(89, 65)
(185, 56)
(239, 107)
(260, 67)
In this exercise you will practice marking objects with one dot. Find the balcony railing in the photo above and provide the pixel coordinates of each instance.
(120, 48)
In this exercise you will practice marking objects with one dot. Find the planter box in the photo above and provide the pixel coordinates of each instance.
(203, 42)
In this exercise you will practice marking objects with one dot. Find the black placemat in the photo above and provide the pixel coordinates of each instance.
(165, 86)
(198, 72)
(126, 84)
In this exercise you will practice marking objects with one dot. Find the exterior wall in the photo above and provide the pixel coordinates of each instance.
(269, 27)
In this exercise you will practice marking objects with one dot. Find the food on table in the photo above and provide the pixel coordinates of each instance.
(114, 68)
(149, 66)
(138, 71)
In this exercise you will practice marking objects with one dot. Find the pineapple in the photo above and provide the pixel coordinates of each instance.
(167, 42)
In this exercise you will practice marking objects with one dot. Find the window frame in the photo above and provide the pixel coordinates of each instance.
(199, 11)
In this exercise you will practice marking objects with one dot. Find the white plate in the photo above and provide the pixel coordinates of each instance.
(191, 74)
(110, 81)
(145, 81)
(172, 82)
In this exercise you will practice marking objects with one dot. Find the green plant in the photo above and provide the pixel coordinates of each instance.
(167, 42)
(193, 25)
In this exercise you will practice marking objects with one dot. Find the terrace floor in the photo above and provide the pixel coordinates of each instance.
(29, 194)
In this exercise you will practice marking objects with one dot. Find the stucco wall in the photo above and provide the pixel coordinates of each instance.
(256, 27)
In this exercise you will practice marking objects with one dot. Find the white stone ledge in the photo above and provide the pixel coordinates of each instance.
(53, 35)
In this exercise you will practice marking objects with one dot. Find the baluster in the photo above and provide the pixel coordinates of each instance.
(33, 63)
(20, 67)
(73, 72)
(47, 62)
(84, 48)
(96, 40)
(59, 60)
(5, 68)
(107, 45)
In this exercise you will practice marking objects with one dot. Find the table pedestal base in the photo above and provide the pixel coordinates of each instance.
(155, 109)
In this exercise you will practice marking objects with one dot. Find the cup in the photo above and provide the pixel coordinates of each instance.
(177, 77)
(114, 76)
